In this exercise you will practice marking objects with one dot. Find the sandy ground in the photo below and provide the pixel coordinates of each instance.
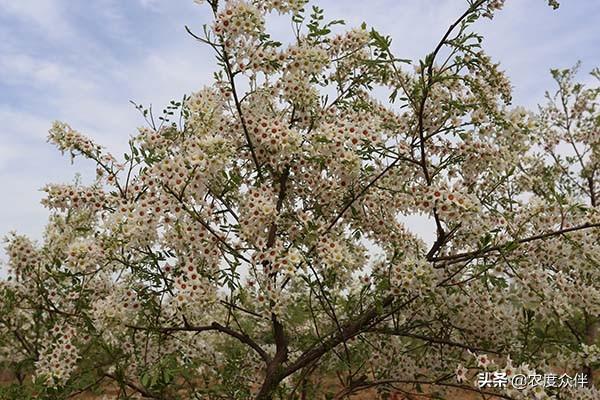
(111, 393)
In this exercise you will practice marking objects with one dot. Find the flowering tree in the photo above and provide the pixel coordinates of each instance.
(251, 243)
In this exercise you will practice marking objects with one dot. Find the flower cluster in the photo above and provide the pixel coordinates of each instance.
(282, 6)
(302, 62)
(118, 308)
(275, 142)
(23, 256)
(448, 203)
(68, 139)
(83, 255)
(66, 197)
(152, 140)
(258, 212)
(210, 154)
(192, 291)
(411, 276)
(205, 109)
(136, 222)
(58, 356)
(332, 252)
(349, 42)
(239, 19)
(269, 299)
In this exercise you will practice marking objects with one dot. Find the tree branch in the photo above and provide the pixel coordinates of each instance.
(481, 252)
(212, 327)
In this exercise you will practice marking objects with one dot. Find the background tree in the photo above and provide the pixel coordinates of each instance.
(251, 244)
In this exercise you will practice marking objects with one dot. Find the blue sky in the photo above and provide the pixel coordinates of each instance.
(82, 61)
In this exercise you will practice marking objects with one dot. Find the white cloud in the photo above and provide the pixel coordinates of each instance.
(19, 125)
(23, 69)
(151, 4)
(41, 16)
